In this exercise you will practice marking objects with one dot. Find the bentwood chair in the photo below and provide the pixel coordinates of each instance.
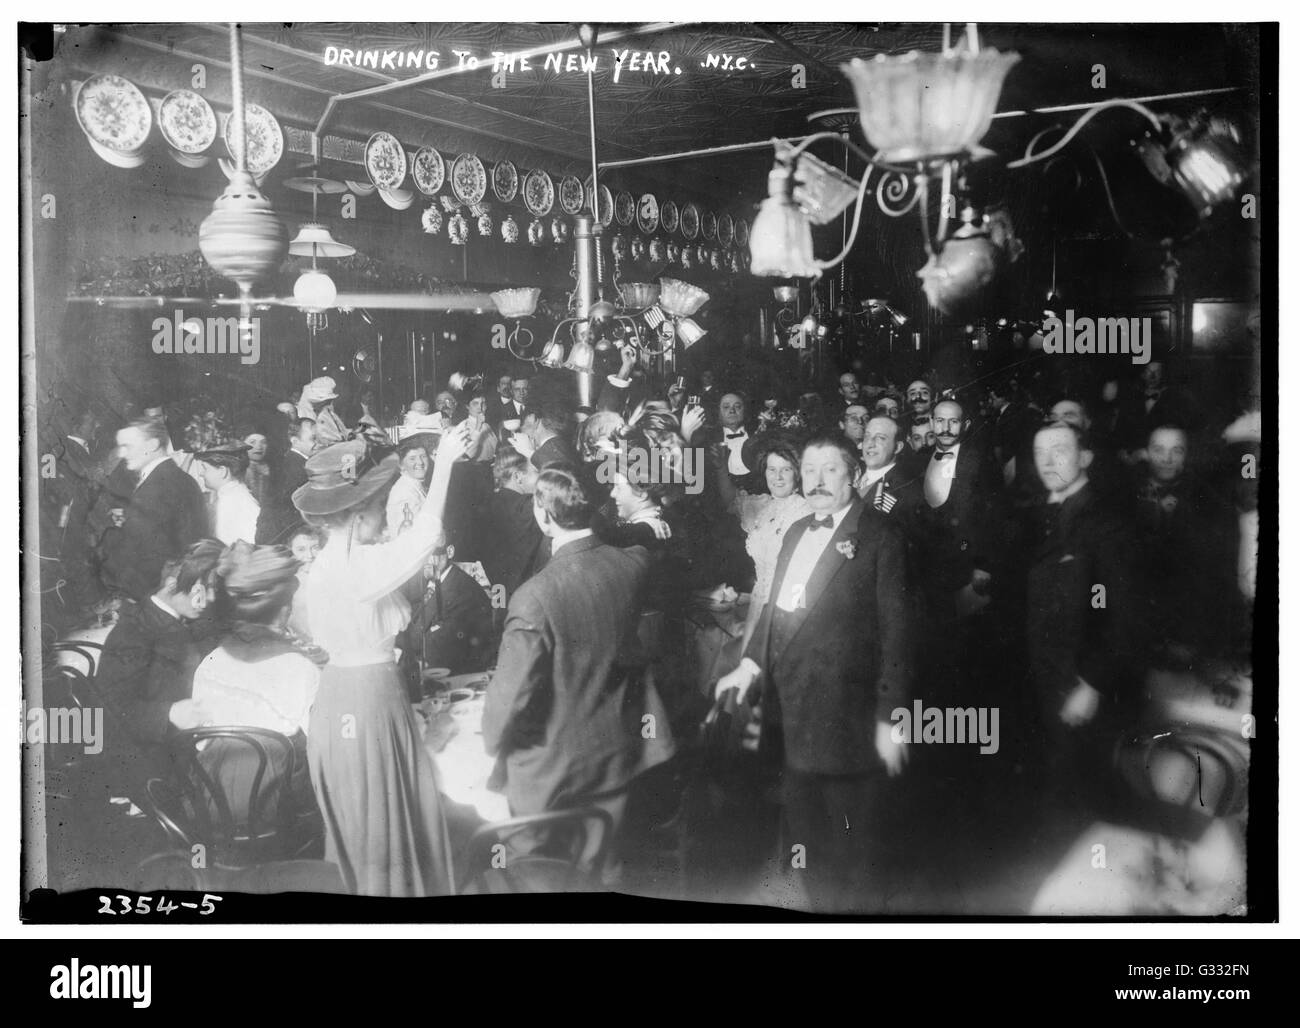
(174, 871)
(572, 861)
(81, 654)
(230, 792)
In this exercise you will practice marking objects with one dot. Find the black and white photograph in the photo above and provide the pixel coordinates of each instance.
(680, 470)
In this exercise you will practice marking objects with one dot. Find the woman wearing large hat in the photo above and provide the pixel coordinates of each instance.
(374, 780)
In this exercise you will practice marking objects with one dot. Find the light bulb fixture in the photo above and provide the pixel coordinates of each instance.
(314, 291)
(780, 241)
(1205, 163)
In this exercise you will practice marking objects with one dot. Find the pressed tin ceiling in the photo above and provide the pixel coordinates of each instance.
(540, 117)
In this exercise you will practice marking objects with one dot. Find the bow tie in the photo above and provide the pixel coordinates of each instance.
(823, 522)
(736, 435)
(943, 454)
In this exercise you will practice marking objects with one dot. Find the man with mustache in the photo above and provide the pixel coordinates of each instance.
(830, 658)
(919, 396)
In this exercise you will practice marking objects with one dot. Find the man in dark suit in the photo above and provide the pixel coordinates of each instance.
(515, 547)
(451, 626)
(278, 515)
(832, 652)
(887, 485)
(569, 716)
(146, 674)
(1080, 610)
(509, 402)
(165, 513)
(958, 523)
(730, 438)
(542, 427)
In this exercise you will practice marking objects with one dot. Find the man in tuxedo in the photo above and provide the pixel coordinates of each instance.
(1080, 608)
(850, 391)
(451, 626)
(278, 515)
(831, 654)
(567, 710)
(165, 514)
(958, 520)
(731, 434)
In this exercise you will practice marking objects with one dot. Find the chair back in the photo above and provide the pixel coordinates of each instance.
(231, 793)
(577, 845)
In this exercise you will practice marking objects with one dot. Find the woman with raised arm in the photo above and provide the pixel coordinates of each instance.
(374, 780)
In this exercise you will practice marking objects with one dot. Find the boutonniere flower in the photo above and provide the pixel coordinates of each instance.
(848, 548)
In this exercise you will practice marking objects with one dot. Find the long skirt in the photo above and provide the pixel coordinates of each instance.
(375, 784)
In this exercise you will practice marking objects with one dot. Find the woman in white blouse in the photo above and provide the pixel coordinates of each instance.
(765, 517)
(258, 677)
(407, 495)
(374, 780)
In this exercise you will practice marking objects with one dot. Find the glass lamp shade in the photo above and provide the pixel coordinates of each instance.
(314, 291)
(582, 358)
(923, 106)
(553, 355)
(780, 241)
(690, 332)
(953, 278)
(314, 240)
(1207, 168)
(786, 294)
(242, 239)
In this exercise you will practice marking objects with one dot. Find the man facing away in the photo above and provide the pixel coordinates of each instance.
(831, 652)
(568, 714)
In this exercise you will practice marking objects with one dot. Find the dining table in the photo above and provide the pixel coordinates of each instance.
(451, 716)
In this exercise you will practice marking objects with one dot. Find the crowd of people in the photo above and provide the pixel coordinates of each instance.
(986, 544)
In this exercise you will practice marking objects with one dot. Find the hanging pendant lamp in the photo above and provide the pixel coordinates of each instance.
(242, 239)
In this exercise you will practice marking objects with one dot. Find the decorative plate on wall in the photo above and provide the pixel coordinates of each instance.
(708, 225)
(114, 114)
(690, 221)
(726, 229)
(742, 231)
(539, 194)
(385, 159)
(669, 217)
(428, 170)
(468, 178)
(187, 122)
(647, 213)
(571, 195)
(505, 181)
(624, 208)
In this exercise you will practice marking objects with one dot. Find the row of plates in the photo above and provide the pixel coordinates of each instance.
(387, 165)
(117, 120)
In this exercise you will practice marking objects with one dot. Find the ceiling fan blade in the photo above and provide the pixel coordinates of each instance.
(418, 301)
